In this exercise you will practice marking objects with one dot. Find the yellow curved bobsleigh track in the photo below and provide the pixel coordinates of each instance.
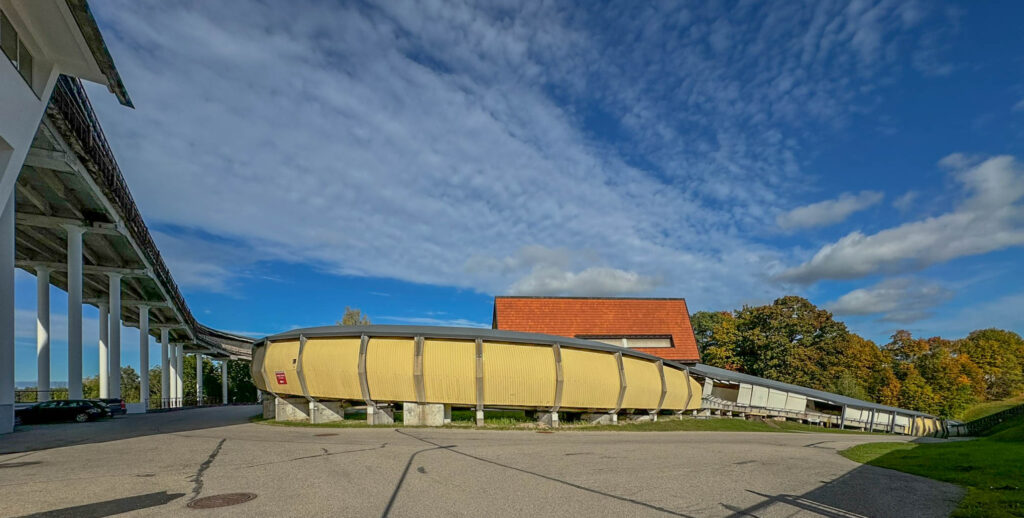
(468, 367)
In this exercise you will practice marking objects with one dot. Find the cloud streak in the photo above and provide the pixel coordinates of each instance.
(828, 212)
(900, 300)
(988, 218)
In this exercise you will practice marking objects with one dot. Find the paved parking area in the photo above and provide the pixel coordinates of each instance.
(153, 465)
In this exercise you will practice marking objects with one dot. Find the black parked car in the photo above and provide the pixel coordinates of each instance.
(79, 410)
(114, 406)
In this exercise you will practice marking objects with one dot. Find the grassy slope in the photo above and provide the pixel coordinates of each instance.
(991, 468)
(991, 407)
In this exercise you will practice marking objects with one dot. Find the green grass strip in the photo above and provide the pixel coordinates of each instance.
(990, 468)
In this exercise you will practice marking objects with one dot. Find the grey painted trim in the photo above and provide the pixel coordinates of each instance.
(299, 371)
(98, 48)
(842, 418)
(417, 370)
(364, 386)
(263, 374)
(556, 350)
(462, 333)
(892, 423)
(689, 390)
(479, 375)
(664, 386)
(622, 383)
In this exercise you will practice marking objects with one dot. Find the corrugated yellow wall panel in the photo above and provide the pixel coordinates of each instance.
(256, 368)
(449, 372)
(279, 363)
(591, 379)
(698, 391)
(677, 382)
(518, 375)
(389, 369)
(331, 368)
(643, 384)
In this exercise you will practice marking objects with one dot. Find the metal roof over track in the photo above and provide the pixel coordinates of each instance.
(720, 374)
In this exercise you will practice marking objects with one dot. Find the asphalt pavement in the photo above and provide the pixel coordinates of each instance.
(154, 465)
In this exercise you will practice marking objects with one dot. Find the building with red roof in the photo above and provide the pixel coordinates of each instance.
(660, 327)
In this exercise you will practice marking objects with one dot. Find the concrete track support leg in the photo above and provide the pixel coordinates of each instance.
(326, 411)
(600, 418)
(7, 315)
(43, 334)
(380, 415)
(74, 276)
(114, 336)
(269, 406)
(291, 409)
(546, 418)
(224, 382)
(427, 414)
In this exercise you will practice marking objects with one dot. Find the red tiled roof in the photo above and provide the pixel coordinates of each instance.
(590, 317)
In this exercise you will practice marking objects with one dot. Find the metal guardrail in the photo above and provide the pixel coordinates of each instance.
(982, 425)
(72, 112)
(71, 105)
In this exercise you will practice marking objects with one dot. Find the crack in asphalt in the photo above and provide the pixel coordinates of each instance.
(197, 479)
(323, 453)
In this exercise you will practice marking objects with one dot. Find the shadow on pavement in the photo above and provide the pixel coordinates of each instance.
(110, 507)
(43, 437)
(866, 491)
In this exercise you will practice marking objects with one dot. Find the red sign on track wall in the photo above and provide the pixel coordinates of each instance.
(281, 379)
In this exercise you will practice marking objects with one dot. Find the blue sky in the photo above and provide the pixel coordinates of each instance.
(415, 159)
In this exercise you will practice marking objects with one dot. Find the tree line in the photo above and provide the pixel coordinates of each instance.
(793, 341)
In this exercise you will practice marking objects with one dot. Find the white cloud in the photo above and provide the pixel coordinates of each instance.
(828, 212)
(402, 140)
(906, 202)
(428, 321)
(204, 263)
(900, 300)
(591, 282)
(989, 218)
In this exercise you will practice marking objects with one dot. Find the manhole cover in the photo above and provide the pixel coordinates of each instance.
(324, 434)
(211, 502)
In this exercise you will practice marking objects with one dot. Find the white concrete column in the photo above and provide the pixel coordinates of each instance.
(172, 376)
(224, 382)
(179, 358)
(114, 335)
(199, 379)
(144, 357)
(104, 344)
(74, 311)
(7, 315)
(165, 390)
(43, 333)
